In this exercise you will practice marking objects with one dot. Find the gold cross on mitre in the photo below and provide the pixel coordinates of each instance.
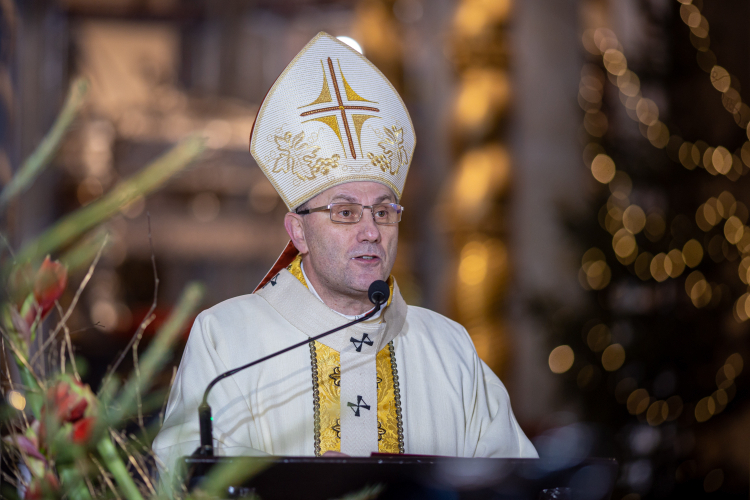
(331, 120)
(300, 157)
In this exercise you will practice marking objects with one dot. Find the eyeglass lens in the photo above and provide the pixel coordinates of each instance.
(350, 213)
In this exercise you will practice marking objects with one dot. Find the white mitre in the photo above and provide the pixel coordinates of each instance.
(330, 118)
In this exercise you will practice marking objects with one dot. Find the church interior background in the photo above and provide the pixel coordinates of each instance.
(575, 199)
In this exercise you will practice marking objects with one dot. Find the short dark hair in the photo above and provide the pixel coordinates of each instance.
(301, 207)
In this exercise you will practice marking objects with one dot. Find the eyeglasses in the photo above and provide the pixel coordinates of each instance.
(351, 213)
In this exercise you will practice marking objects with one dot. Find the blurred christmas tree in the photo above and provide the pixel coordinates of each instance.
(656, 355)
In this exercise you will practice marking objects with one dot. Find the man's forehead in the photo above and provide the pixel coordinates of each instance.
(356, 191)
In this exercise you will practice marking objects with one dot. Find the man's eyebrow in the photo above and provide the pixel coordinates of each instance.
(381, 199)
(344, 197)
(351, 199)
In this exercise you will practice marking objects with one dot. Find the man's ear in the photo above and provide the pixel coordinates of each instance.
(296, 231)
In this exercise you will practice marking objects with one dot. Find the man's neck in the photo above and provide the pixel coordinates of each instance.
(346, 306)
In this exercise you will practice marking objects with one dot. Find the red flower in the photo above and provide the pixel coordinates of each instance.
(82, 430)
(69, 406)
(74, 408)
(49, 284)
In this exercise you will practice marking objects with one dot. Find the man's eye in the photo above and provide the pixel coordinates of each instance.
(345, 213)
(381, 214)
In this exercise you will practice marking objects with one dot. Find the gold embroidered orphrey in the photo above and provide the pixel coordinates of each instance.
(331, 120)
(326, 374)
(327, 400)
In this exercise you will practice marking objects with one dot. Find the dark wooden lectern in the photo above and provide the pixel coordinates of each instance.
(415, 477)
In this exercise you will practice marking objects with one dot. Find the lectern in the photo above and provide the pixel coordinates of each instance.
(412, 477)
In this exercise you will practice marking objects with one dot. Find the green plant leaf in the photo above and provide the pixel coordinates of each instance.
(34, 164)
(85, 218)
(83, 253)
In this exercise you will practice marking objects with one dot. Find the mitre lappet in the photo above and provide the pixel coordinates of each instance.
(331, 117)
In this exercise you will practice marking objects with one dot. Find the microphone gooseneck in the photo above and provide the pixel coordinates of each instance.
(378, 293)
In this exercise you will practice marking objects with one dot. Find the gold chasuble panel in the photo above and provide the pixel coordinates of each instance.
(326, 371)
(326, 395)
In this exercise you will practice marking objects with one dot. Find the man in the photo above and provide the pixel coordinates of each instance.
(335, 140)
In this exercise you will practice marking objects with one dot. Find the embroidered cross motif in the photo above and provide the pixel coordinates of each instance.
(358, 343)
(381, 431)
(330, 120)
(272, 281)
(356, 407)
(336, 376)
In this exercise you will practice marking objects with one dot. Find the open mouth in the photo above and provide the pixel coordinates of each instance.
(367, 258)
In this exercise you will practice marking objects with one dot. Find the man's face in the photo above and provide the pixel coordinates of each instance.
(346, 258)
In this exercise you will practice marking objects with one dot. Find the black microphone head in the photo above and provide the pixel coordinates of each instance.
(379, 292)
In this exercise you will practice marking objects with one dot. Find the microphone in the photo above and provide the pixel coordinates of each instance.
(378, 293)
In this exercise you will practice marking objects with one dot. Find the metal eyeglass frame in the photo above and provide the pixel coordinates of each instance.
(371, 207)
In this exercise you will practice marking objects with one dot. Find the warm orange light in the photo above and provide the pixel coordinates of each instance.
(561, 359)
(613, 357)
(483, 93)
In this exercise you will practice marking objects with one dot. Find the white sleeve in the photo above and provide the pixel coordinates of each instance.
(493, 428)
(180, 434)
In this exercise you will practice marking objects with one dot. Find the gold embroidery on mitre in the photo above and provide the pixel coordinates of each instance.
(280, 108)
(332, 122)
(298, 157)
(360, 120)
(351, 95)
(327, 376)
(325, 92)
(394, 154)
(340, 108)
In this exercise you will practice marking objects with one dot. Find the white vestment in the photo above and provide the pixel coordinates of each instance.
(451, 403)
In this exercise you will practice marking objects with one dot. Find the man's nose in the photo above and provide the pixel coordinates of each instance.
(368, 229)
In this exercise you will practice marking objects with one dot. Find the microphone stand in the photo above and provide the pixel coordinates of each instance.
(205, 420)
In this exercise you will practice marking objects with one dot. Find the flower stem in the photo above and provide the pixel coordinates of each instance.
(75, 487)
(116, 466)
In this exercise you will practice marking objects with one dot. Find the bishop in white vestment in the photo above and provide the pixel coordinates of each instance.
(407, 380)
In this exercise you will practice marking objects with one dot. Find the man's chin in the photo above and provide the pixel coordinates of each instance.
(362, 283)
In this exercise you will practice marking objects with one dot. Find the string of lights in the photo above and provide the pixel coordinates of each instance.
(726, 83)
(626, 222)
(623, 220)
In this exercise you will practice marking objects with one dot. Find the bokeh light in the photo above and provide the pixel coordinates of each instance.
(561, 359)
(351, 42)
(598, 338)
(603, 168)
(692, 253)
(613, 357)
(16, 400)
